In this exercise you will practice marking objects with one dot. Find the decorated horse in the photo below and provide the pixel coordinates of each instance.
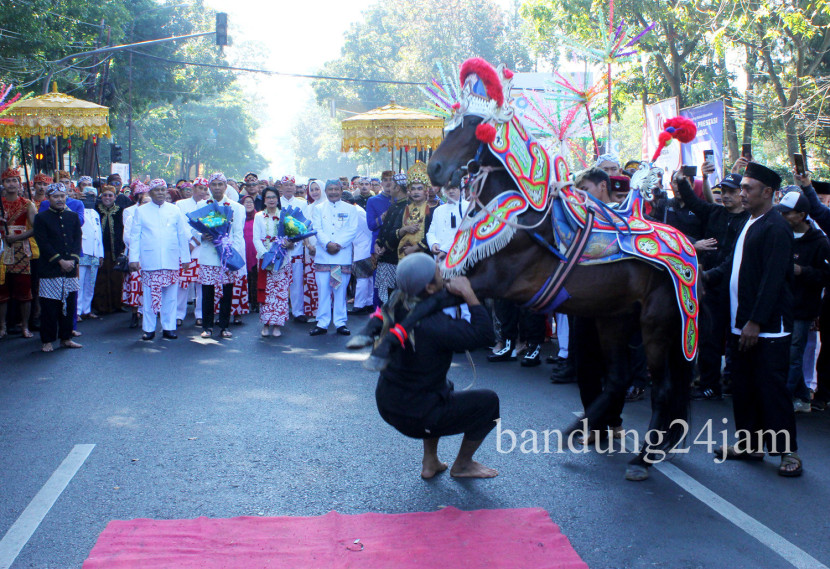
(532, 238)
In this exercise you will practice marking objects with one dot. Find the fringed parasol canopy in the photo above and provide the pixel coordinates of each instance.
(56, 114)
(392, 127)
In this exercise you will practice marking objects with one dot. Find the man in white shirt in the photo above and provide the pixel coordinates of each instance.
(288, 189)
(336, 225)
(189, 278)
(159, 248)
(362, 267)
(446, 219)
(92, 252)
(211, 273)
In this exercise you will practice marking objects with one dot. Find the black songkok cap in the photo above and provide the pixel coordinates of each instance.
(821, 187)
(763, 174)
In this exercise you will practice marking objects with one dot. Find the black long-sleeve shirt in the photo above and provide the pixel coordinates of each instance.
(811, 252)
(718, 223)
(58, 236)
(765, 275)
(415, 381)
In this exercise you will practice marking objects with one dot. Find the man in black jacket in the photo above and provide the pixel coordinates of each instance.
(760, 274)
(57, 232)
(721, 226)
(413, 393)
(811, 258)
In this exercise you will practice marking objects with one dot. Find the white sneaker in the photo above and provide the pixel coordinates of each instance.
(801, 406)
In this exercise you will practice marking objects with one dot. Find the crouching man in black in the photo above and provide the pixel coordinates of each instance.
(413, 393)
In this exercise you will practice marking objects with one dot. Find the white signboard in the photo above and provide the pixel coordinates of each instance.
(122, 170)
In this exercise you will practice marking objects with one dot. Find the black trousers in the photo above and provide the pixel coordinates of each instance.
(252, 284)
(519, 323)
(823, 364)
(714, 325)
(590, 370)
(54, 323)
(760, 399)
(208, 298)
(473, 413)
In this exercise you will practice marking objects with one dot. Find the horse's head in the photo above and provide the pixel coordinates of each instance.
(483, 129)
(483, 102)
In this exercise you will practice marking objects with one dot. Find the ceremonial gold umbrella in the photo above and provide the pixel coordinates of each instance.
(56, 114)
(392, 126)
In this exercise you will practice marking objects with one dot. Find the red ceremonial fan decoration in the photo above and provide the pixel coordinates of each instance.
(681, 128)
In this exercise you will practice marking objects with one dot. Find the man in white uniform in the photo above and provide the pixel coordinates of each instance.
(336, 225)
(190, 288)
(159, 248)
(288, 190)
(211, 273)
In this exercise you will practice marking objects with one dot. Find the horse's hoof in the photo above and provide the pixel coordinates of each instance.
(636, 473)
(374, 363)
(359, 341)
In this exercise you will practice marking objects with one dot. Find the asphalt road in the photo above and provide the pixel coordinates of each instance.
(288, 426)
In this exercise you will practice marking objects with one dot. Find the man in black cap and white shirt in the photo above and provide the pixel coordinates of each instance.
(760, 274)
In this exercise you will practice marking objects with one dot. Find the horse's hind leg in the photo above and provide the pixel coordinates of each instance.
(661, 327)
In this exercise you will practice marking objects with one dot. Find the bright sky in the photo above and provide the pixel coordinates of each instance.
(300, 36)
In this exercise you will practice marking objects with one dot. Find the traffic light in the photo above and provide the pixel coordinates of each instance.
(40, 163)
(221, 29)
(48, 157)
(115, 153)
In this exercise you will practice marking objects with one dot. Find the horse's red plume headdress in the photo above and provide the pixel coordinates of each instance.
(485, 93)
(488, 76)
(681, 128)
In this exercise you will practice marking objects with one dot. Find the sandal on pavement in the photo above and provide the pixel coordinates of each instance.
(226, 334)
(70, 344)
(198, 322)
(787, 463)
(207, 333)
(265, 332)
(729, 452)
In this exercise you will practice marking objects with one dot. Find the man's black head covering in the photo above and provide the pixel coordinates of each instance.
(731, 181)
(821, 187)
(763, 174)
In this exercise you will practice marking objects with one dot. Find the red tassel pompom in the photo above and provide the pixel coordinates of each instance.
(456, 106)
(508, 74)
(685, 130)
(486, 133)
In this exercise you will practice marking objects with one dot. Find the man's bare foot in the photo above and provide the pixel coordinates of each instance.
(71, 344)
(276, 333)
(75, 333)
(473, 469)
(47, 347)
(27, 334)
(431, 468)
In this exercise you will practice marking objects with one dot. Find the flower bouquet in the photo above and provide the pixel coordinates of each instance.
(215, 219)
(293, 227)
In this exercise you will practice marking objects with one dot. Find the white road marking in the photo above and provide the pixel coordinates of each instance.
(780, 545)
(26, 525)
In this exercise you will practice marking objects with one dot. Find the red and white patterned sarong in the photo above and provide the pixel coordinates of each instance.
(215, 276)
(274, 311)
(239, 300)
(309, 287)
(158, 280)
(189, 275)
(131, 290)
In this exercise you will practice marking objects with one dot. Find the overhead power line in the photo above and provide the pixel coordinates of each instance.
(279, 73)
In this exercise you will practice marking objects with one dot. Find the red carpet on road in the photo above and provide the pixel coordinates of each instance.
(491, 539)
